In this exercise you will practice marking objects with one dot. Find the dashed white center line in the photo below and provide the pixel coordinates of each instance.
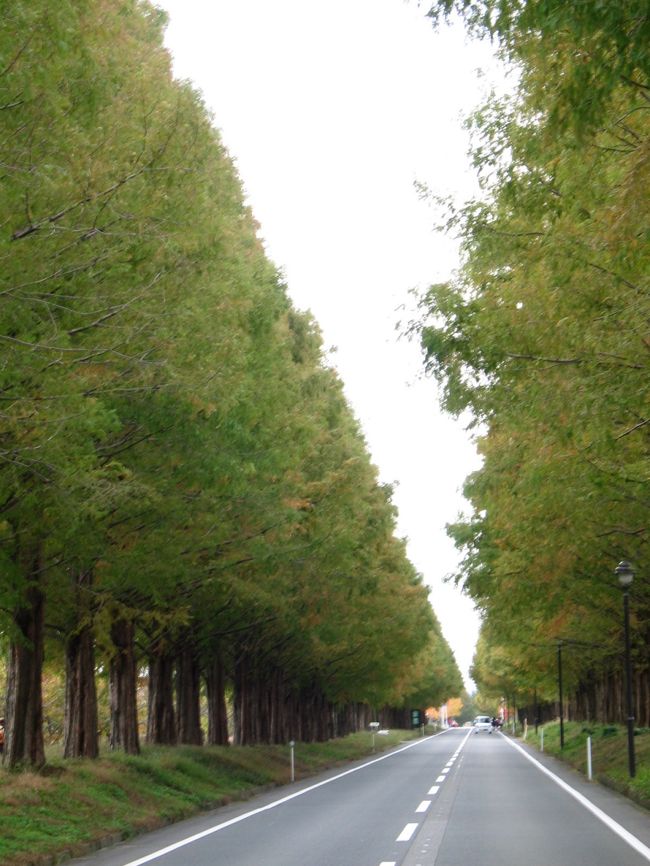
(407, 832)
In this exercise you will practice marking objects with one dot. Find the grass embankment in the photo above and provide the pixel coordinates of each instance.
(608, 754)
(73, 806)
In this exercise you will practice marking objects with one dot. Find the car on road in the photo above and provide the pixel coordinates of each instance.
(482, 723)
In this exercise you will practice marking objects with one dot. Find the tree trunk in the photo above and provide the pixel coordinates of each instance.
(281, 724)
(217, 712)
(161, 717)
(240, 704)
(292, 716)
(80, 735)
(123, 689)
(188, 685)
(315, 715)
(24, 706)
(80, 725)
(246, 702)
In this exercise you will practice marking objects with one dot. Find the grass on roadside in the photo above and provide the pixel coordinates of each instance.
(73, 804)
(608, 750)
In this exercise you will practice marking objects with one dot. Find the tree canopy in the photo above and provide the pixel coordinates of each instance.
(183, 488)
(543, 338)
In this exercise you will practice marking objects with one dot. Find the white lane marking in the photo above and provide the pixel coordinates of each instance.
(445, 770)
(433, 790)
(424, 805)
(407, 832)
(613, 825)
(188, 841)
(388, 863)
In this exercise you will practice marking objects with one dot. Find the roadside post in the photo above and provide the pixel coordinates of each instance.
(589, 758)
(541, 737)
(292, 746)
(373, 729)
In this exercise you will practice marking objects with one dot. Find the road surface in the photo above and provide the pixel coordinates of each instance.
(453, 799)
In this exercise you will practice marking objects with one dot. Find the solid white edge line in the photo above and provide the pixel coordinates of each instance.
(188, 841)
(407, 833)
(613, 825)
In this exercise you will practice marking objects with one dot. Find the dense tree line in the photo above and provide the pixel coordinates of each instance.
(543, 338)
(184, 490)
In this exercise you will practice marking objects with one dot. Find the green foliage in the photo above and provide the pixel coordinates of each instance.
(543, 338)
(170, 431)
(582, 50)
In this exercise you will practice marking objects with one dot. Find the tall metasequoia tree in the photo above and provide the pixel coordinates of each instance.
(24, 705)
(69, 316)
(80, 734)
(161, 713)
(123, 687)
(170, 429)
(544, 339)
(215, 682)
(188, 686)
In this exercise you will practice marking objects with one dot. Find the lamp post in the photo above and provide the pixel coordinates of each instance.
(625, 574)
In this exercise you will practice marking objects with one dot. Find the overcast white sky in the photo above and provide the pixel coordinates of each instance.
(332, 111)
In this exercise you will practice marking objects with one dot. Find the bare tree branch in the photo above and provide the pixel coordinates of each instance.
(632, 429)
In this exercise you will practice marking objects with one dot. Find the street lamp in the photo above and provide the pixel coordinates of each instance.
(625, 574)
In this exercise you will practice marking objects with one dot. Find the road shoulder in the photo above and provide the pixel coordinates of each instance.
(619, 808)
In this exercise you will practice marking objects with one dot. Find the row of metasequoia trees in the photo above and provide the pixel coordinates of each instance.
(544, 339)
(183, 488)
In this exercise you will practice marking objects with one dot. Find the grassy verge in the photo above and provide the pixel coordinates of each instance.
(609, 754)
(72, 806)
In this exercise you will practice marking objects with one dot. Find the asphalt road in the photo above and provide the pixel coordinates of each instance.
(454, 799)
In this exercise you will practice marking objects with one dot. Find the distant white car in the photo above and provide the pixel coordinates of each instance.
(482, 723)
